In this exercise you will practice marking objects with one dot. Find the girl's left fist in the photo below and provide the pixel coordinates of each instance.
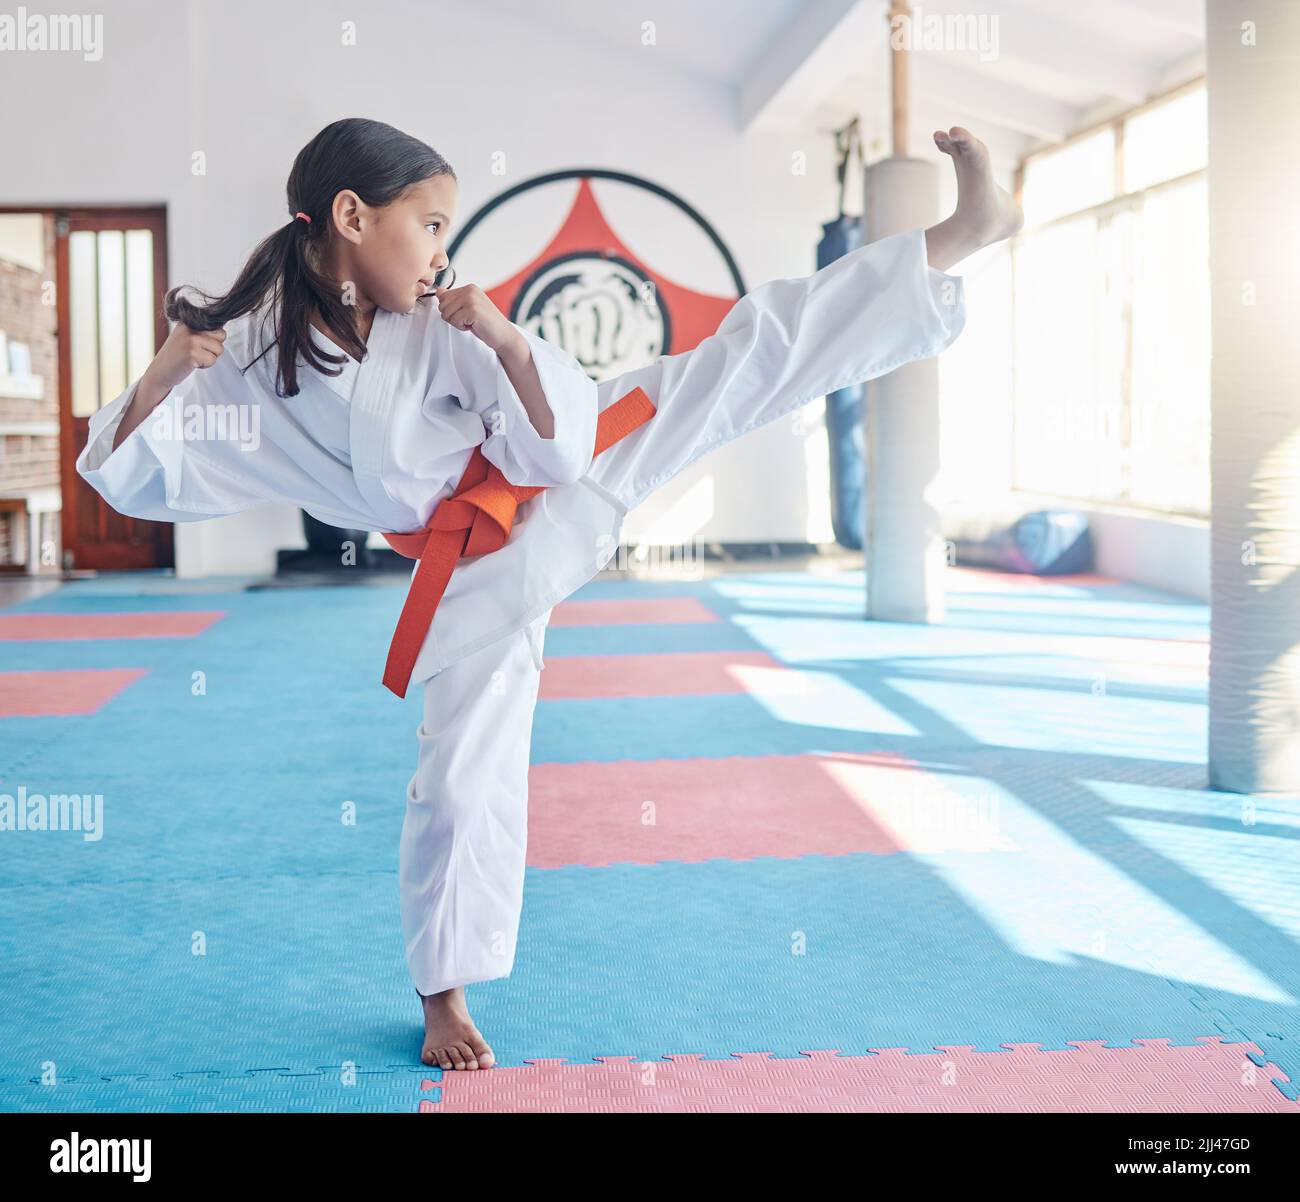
(468, 308)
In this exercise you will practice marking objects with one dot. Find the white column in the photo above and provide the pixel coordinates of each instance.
(903, 541)
(1253, 79)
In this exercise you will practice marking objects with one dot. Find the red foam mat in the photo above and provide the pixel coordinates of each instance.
(1150, 1077)
(170, 624)
(47, 694)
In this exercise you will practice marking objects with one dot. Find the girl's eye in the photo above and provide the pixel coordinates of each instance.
(432, 225)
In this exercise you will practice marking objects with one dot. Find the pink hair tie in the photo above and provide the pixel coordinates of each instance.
(303, 216)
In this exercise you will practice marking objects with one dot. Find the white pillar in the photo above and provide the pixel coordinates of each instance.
(1253, 81)
(903, 544)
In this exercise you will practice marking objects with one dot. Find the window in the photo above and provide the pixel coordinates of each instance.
(1167, 141)
(1075, 177)
(1112, 288)
(110, 313)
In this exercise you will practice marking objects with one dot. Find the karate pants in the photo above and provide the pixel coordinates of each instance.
(461, 858)
(782, 345)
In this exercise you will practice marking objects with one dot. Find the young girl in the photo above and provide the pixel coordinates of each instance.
(340, 377)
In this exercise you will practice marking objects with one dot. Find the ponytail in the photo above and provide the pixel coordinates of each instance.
(377, 162)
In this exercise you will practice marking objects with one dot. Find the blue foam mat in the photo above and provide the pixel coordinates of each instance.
(227, 822)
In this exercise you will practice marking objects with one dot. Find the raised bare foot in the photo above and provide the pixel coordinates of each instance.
(989, 212)
(451, 1040)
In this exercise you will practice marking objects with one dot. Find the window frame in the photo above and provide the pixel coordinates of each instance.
(1122, 201)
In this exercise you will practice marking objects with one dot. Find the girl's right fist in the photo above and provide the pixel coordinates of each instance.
(184, 350)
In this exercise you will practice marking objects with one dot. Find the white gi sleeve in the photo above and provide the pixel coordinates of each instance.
(513, 443)
(190, 459)
(783, 344)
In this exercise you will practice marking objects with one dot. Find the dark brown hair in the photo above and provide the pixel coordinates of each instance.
(378, 163)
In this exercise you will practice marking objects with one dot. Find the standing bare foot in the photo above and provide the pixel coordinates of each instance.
(988, 212)
(451, 1040)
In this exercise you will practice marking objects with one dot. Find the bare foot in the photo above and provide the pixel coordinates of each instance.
(451, 1040)
(987, 212)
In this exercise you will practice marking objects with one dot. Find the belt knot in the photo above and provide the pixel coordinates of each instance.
(475, 519)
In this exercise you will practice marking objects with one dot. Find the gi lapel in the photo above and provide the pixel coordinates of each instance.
(373, 399)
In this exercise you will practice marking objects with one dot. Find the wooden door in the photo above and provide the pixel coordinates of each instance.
(111, 277)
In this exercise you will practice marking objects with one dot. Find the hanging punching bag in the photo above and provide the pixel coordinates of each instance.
(845, 424)
(845, 409)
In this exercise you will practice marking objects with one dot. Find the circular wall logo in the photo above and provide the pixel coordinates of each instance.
(585, 287)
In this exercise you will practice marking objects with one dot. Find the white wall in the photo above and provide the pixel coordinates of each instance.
(248, 83)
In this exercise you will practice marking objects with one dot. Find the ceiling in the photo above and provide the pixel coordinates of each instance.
(1035, 71)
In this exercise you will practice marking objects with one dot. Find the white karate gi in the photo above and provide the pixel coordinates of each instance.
(379, 446)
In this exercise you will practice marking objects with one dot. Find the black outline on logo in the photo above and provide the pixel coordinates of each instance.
(600, 173)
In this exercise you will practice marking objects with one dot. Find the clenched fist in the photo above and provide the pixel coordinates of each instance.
(184, 350)
(468, 308)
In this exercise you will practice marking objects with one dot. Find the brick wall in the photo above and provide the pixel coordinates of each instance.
(30, 461)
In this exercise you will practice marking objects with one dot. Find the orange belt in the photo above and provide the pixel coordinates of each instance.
(475, 519)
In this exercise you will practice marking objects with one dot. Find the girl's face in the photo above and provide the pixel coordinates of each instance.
(395, 251)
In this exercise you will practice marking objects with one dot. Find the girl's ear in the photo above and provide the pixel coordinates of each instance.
(348, 213)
